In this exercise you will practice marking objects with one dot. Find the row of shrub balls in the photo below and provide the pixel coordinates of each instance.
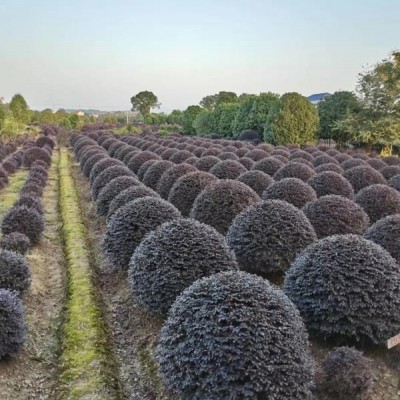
(199, 224)
(21, 228)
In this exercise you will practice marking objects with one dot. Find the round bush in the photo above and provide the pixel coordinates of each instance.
(13, 329)
(227, 169)
(291, 190)
(346, 374)
(227, 156)
(257, 154)
(180, 252)
(267, 236)
(91, 161)
(16, 242)
(342, 157)
(139, 159)
(281, 151)
(30, 201)
(246, 162)
(334, 215)
(351, 163)
(126, 196)
(9, 166)
(301, 154)
(330, 182)
(221, 201)
(170, 176)
(245, 326)
(3, 175)
(268, 165)
(31, 189)
(392, 160)
(143, 169)
(257, 180)
(155, 171)
(206, 163)
(294, 170)
(129, 156)
(324, 159)
(363, 176)
(23, 220)
(377, 163)
(329, 167)
(386, 233)
(33, 154)
(89, 153)
(14, 272)
(101, 166)
(250, 135)
(167, 153)
(186, 189)
(180, 156)
(346, 287)
(389, 171)
(111, 190)
(394, 182)
(378, 201)
(130, 223)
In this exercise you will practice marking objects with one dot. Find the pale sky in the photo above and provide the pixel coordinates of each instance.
(98, 53)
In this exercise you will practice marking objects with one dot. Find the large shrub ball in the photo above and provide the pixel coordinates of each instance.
(107, 176)
(14, 272)
(91, 161)
(180, 156)
(139, 159)
(144, 167)
(31, 189)
(324, 159)
(186, 189)
(386, 233)
(267, 236)
(351, 163)
(235, 336)
(378, 201)
(16, 242)
(363, 176)
(291, 190)
(35, 153)
(174, 256)
(301, 154)
(392, 160)
(346, 374)
(334, 215)
(13, 328)
(170, 176)
(111, 190)
(294, 170)
(221, 201)
(227, 169)
(389, 171)
(257, 180)
(130, 223)
(330, 182)
(101, 166)
(394, 182)
(268, 165)
(89, 153)
(23, 220)
(206, 163)
(129, 156)
(30, 201)
(257, 154)
(329, 167)
(9, 165)
(346, 287)
(154, 173)
(376, 163)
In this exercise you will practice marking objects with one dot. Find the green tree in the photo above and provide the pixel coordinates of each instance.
(47, 116)
(144, 102)
(75, 121)
(189, 116)
(175, 117)
(240, 121)
(223, 116)
(212, 101)
(291, 120)
(258, 114)
(203, 122)
(2, 117)
(19, 108)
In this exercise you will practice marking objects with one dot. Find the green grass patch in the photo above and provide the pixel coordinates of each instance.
(85, 360)
(9, 195)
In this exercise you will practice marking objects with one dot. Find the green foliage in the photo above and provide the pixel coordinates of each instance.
(223, 116)
(19, 108)
(212, 101)
(75, 121)
(175, 117)
(2, 117)
(258, 114)
(240, 121)
(203, 123)
(144, 102)
(291, 120)
(110, 119)
(189, 116)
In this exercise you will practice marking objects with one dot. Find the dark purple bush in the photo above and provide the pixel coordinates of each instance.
(139, 159)
(227, 169)
(389, 171)
(30, 201)
(14, 272)
(268, 165)
(33, 154)
(101, 166)
(363, 176)
(351, 163)
(294, 170)
(329, 167)
(154, 173)
(394, 182)
(16, 242)
(257, 180)
(330, 182)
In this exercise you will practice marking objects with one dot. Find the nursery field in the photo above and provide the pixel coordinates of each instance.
(150, 267)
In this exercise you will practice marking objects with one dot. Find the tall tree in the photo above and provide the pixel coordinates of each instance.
(240, 123)
(257, 116)
(144, 102)
(2, 117)
(223, 116)
(19, 108)
(203, 122)
(189, 116)
(212, 101)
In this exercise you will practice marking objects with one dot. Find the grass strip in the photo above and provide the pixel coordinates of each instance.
(85, 362)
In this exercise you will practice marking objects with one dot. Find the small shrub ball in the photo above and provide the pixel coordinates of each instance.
(130, 224)
(324, 159)
(351, 163)
(101, 166)
(394, 182)
(334, 215)
(227, 169)
(139, 159)
(23, 220)
(330, 182)
(267, 236)
(111, 190)
(154, 173)
(294, 170)
(91, 161)
(392, 160)
(31, 189)
(14, 272)
(378, 201)
(235, 336)
(386, 233)
(186, 189)
(389, 171)
(377, 163)
(144, 167)
(180, 252)
(35, 153)
(329, 167)
(180, 156)
(16, 242)
(347, 288)
(221, 201)
(30, 201)
(257, 180)
(206, 163)
(268, 165)
(363, 176)
(346, 374)
(13, 328)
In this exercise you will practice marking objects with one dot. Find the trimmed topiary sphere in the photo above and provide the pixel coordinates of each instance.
(14, 272)
(243, 325)
(268, 165)
(101, 166)
(346, 287)
(392, 160)
(346, 374)
(35, 153)
(23, 220)
(91, 161)
(221, 201)
(180, 252)
(13, 329)
(154, 173)
(351, 163)
(324, 159)
(31, 189)
(334, 215)
(227, 156)
(378, 201)
(376, 163)
(329, 167)
(330, 182)
(139, 159)
(16, 242)
(386, 233)
(227, 169)
(206, 163)
(294, 170)
(131, 223)
(186, 189)
(257, 180)
(144, 167)
(394, 182)
(363, 176)
(30, 201)
(180, 156)
(267, 236)
(247, 162)
(111, 190)
(128, 195)
(389, 171)
(291, 190)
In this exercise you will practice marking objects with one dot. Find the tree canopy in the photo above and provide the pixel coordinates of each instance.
(19, 108)
(144, 102)
(189, 116)
(212, 101)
